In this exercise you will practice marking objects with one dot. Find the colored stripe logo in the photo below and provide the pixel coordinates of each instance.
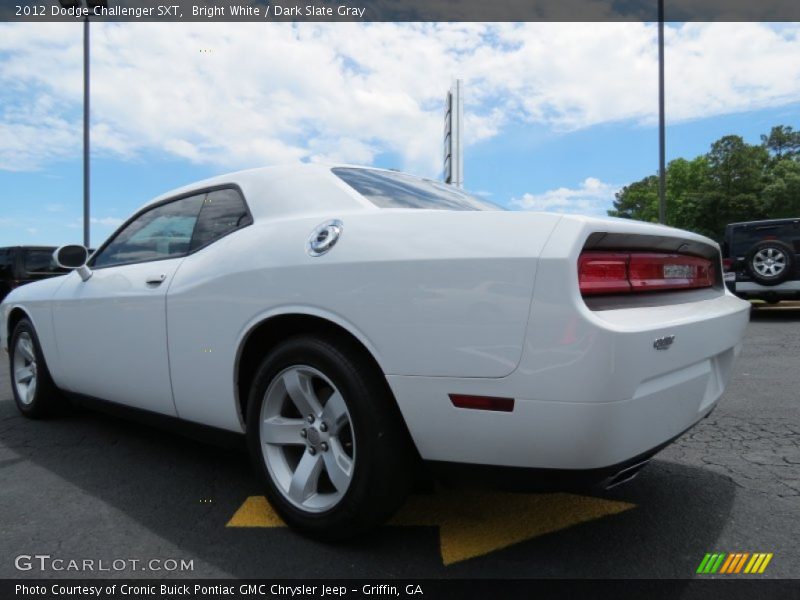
(734, 563)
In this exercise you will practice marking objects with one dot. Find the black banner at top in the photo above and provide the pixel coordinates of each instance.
(399, 10)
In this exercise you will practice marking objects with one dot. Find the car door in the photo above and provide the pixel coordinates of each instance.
(111, 329)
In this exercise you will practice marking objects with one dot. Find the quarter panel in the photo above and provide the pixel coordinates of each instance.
(591, 389)
(432, 293)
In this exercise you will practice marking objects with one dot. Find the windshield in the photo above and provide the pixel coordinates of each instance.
(390, 189)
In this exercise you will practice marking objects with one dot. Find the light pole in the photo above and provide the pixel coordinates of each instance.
(662, 173)
(90, 4)
(86, 123)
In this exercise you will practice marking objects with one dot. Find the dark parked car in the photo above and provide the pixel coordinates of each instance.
(23, 264)
(762, 259)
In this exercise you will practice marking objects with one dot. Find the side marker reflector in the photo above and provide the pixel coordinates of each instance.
(482, 402)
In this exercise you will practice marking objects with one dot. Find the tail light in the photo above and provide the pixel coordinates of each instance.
(727, 264)
(625, 272)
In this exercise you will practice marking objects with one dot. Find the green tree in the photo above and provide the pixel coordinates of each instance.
(688, 205)
(734, 181)
(638, 200)
(737, 167)
(781, 196)
(782, 142)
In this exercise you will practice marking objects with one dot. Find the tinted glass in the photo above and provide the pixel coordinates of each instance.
(741, 237)
(162, 232)
(223, 211)
(388, 189)
(5, 262)
(39, 260)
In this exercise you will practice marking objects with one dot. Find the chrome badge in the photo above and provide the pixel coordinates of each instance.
(324, 237)
(663, 343)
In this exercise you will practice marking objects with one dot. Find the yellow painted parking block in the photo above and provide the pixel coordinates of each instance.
(472, 523)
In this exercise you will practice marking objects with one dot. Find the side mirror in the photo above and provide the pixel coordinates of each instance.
(73, 257)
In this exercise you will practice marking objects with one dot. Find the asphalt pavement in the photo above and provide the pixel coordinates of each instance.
(90, 486)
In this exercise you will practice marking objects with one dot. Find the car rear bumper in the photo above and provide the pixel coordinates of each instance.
(521, 479)
(750, 289)
(591, 390)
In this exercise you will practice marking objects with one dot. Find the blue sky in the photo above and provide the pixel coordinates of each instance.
(558, 116)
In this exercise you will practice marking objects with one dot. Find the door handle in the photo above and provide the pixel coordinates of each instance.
(156, 279)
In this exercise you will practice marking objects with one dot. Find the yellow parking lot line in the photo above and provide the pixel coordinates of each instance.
(472, 523)
(255, 512)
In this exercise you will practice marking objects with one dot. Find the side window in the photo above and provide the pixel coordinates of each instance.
(162, 232)
(39, 260)
(223, 211)
(5, 262)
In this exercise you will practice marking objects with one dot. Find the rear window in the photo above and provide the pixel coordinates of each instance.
(740, 237)
(389, 189)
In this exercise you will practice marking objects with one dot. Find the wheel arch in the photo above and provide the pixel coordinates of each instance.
(15, 316)
(262, 336)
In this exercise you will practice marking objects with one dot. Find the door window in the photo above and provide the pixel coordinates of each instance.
(162, 232)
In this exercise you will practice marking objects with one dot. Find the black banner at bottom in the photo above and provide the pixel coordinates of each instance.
(424, 589)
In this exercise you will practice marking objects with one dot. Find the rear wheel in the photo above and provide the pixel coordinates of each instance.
(327, 438)
(35, 393)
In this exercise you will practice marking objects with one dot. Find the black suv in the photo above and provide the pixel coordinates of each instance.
(762, 259)
(23, 264)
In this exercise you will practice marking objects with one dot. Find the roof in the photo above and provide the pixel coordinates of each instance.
(279, 191)
(767, 222)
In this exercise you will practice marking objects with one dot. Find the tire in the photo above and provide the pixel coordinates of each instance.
(349, 469)
(770, 262)
(35, 393)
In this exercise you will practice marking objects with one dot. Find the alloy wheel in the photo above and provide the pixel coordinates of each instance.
(769, 262)
(25, 369)
(307, 438)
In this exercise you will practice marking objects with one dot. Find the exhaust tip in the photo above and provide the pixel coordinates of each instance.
(625, 475)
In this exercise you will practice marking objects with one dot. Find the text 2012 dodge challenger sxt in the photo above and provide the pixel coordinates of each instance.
(350, 320)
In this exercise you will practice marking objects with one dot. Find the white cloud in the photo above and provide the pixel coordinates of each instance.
(110, 222)
(275, 93)
(592, 197)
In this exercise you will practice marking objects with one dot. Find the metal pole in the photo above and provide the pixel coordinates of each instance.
(86, 212)
(662, 169)
(458, 119)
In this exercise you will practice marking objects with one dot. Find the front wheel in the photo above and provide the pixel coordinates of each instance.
(35, 393)
(326, 438)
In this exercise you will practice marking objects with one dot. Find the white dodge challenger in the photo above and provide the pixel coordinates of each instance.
(352, 320)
